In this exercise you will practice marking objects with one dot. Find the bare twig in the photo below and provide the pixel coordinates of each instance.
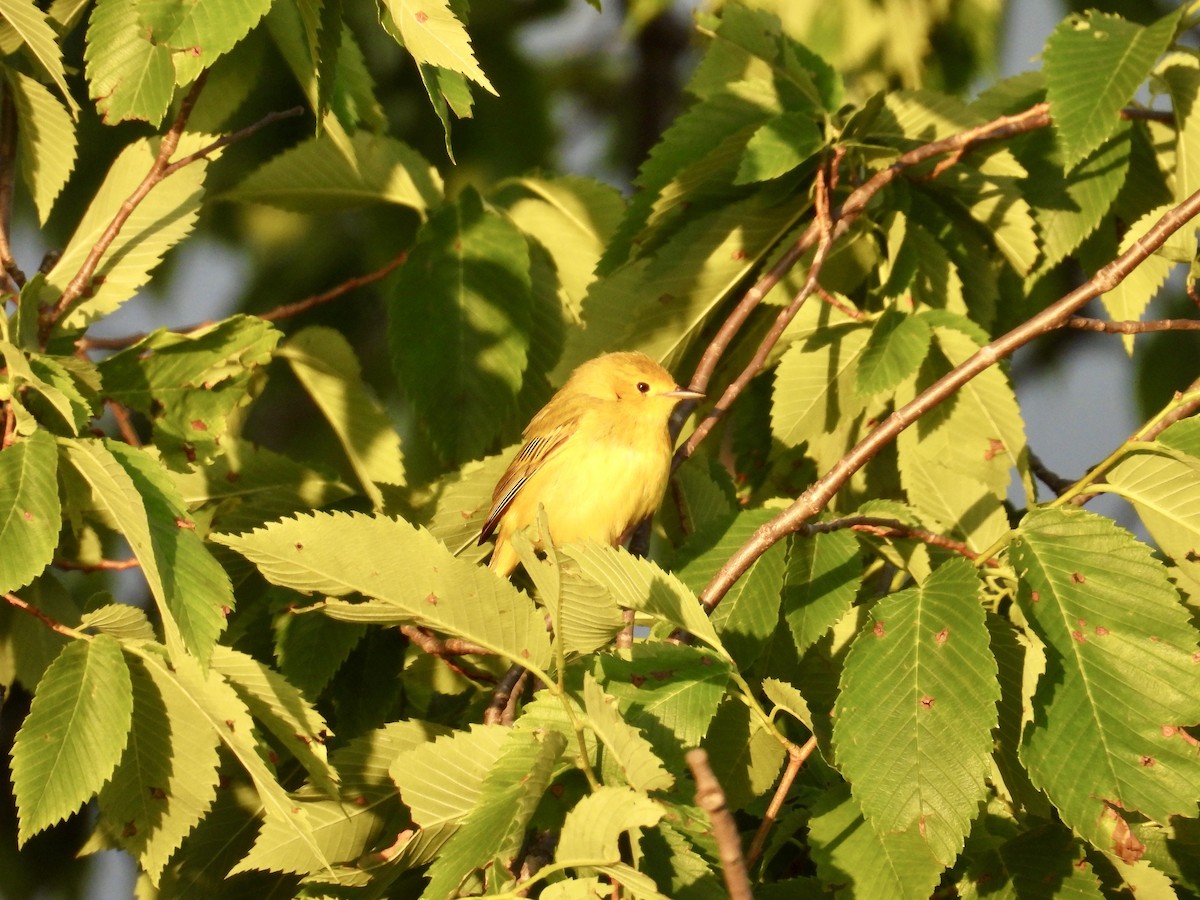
(711, 799)
(233, 137)
(53, 625)
(1053, 480)
(82, 280)
(818, 495)
(447, 650)
(272, 315)
(10, 426)
(1083, 323)
(825, 226)
(890, 528)
(502, 708)
(103, 565)
(796, 758)
(124, 423)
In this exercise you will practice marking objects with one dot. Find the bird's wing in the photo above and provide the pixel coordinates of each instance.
(549, 440)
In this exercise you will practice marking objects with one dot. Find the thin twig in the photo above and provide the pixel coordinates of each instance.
(10, 426)
(46, 620)
(280, 312)
(500, 711)
(711, 799)
(8, 175)
(232, 138)
(796, 758)
(1037, 116)
(82, 280)
(817, 496)
(1100, 325)
(124, 423)
(103, 565)
(825, 226)
(890, 528)
(1051, 479)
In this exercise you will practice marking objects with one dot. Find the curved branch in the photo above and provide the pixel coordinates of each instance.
(818, 495)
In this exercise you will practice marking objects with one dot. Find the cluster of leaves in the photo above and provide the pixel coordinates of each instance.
(961, 693)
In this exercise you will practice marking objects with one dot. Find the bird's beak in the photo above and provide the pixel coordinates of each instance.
(684, 394)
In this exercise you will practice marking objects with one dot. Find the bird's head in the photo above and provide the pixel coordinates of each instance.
(630, 378)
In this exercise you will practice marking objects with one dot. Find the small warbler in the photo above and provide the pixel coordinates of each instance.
(596, 457)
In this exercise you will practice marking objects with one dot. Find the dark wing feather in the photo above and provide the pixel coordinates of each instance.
(533, 455)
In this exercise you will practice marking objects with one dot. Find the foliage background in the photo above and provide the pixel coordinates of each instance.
(286, 255)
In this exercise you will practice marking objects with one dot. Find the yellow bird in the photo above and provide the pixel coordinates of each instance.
(596, 457)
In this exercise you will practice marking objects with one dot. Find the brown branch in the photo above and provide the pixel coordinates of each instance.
(8, 175)
(1037, 116)
(796, 758)
(233, 137)
(848, 311)
(501, 710)
(890, 528)
(1181, 412)
(10, 426)
(280, 312)
(1083, 323)
(103, 565)
(67, 631)
(818, 495)
(824, 224)
(124, 423)
(447, 650)
(711, 799)
(1132, 113)
(81, 282)
(1051, 479)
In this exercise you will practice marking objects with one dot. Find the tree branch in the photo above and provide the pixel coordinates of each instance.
(65, 630)
(796, 758)
(711, 799)
(818, 495)
(1083, 323)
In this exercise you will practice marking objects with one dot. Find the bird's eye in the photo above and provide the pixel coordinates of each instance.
(643, 387)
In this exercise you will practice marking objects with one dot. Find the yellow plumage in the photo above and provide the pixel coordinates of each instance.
(596, 457)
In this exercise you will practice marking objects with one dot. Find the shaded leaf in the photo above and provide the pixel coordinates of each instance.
(30, 514)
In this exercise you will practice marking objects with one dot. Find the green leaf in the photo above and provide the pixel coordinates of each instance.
(896, 348)
(668, 692)
(749, 611)
(129, 75)
(462, 504)
(191, 385)
(466, 284)
(1181, 73)
(1069, 206)
(45, 141)
(412, 577)
(198, 32)
(779, 146)
(316, 177)
(126, 623)
(435, 36)
(159, 222)
(167, 777)
(1109, 618)
(639, 584)
(285, 843)
(1094, 63)
(1129, 299)
(440, 780)
(659, 304)
(643, 770)
(495, 828)
(327, 367)
(30, 514)
(283, 710)
(592, 830)
(248, 485)
(74, 734)
(449, 93)
(913, 722)
(189, 586)
(745, 754)
(1043, 861)
(1164, 488)
(849, 852)
(38, 35)
(819, 584)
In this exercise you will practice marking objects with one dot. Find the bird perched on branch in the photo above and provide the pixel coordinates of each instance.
(596, 457)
